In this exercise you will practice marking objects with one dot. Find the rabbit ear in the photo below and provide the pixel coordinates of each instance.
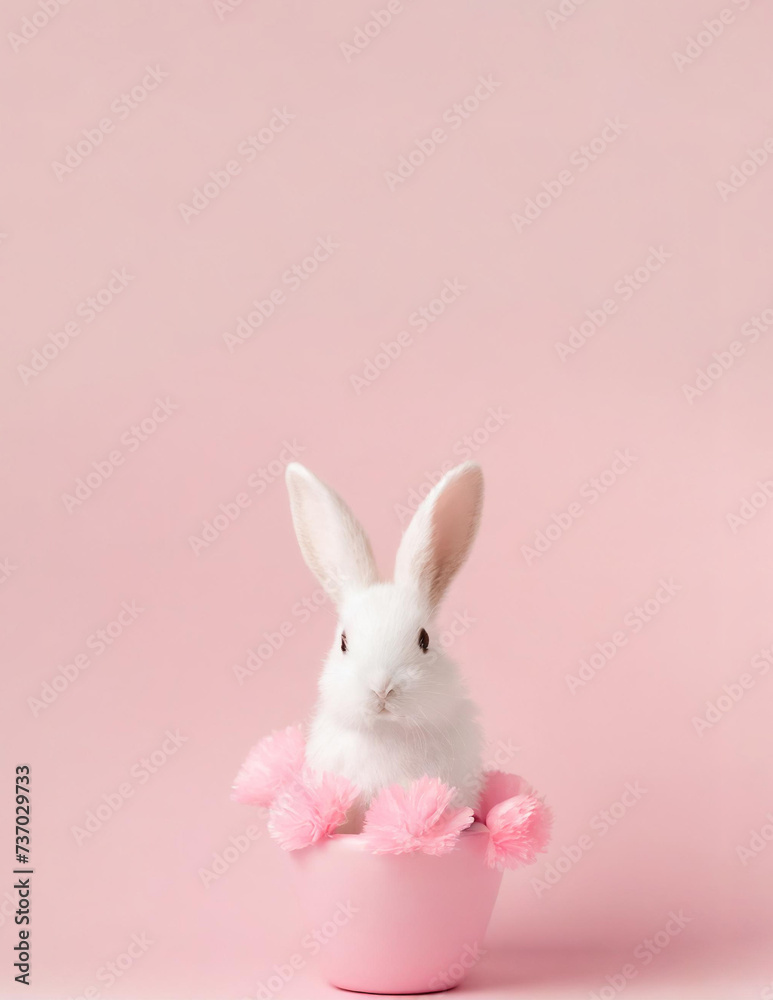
(333, 543)
(438, 539)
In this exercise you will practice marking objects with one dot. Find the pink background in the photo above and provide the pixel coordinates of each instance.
(688, 122)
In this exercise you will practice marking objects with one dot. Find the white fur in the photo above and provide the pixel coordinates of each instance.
(427, 724)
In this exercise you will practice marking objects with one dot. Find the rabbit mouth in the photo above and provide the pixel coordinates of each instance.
(383, 713)
(384, 702)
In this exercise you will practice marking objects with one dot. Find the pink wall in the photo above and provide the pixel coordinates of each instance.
(486, 378)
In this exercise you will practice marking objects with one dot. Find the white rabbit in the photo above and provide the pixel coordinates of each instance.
(391, 705)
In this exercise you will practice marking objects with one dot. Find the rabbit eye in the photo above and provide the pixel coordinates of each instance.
(424, 640)
(343, 642)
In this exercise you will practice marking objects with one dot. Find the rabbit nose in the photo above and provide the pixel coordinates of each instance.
(384, 693)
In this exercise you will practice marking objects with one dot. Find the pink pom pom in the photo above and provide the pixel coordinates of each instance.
(270, 765)
(311, 809)
(520, 830)
(498, 786)
(418, 818)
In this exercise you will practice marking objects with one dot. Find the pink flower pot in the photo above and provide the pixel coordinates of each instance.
(396, 923)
